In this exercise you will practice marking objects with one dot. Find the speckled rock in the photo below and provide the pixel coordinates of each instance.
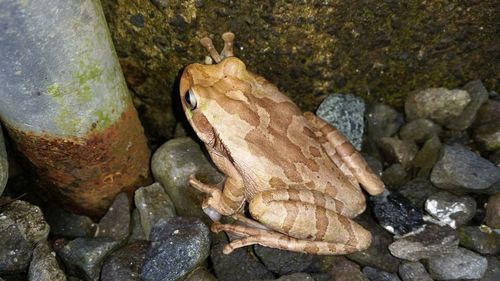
(282, 262)
(29, 219)
(458, 264)
(417, 191)
(433, 240)
(116, 222)
(69, 225)
(378, 275)
(153, 205)
(493, 270)
(173, 163)
(419, 130)
(438, 104)
(15, 250)
(478, 95)
(240, 265)
(83, 257)
(4, 164)
(43, 266)
(200, 274)
(493, 211)
(382, 121)
(395, 175)
(479, 239)
(125, 263)
(426, 157)
(459, 168)
(398, 151)
(346, 113)
(450, 209)
(178, 245)
(413, 271)
(488, 136)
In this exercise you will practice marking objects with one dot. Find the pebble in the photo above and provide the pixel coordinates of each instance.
(116, 222)
(426, 157)
(419, 130)
(479, 95)
(346, 113)
(346, 270)
(460, 169)
(29, 220)
(44, 266)
(450, 209)
(493, 270)
(438, 104)
(398, 151)
(66, 224)
(492, 218)
(15, 250)
(413, 271)
(283, 262)
(200, 274)
(153, 204)
(378, 275)
(125, 263)
(382, 121)
(178, 245)
(136, 228)
(394, 176)
(417, 191)
(432, 240)
(4, 164)
(488, 136)
(480, 239)
(172, 164)
(83, 257)
(457, 264)
(488, 112)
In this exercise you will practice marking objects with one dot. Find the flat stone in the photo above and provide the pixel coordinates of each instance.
(44, 266)
(479, 239)
(431, 241)
(4, 164)
(153, 204)
(283, 262)
(397, 151)
(69, 225)
(493, 211)
(458, 264)
(379, 275)
(125, 263)
(382, 121)
(438, 104)
(15, 250)
(488, 136)
(172, 164)
(178, 245)
(346, 113)
(459, 169)
(29, 219)
(450, 209)
(116, 222)
(83, 257)
(417, 191)
(478, 95)
(419, 130)
(413, 271)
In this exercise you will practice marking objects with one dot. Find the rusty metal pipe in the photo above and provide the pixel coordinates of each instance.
(64, 102)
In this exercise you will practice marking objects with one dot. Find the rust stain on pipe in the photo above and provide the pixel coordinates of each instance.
(84, 174)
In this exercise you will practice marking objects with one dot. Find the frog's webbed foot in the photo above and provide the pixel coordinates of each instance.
(227, 51)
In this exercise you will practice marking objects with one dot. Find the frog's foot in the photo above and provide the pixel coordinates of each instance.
(227, 51)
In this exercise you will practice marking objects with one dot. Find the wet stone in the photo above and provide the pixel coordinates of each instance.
(458, 264)
(116, 222)
(488, 136)
(44, 266)
(240, 265)
(153, 204)
(395, 175)
(427, 157)
(178, 245)
(493, 270)
(419, 130)
(15, 250)
(4, 164)
(173, 163)
(432, 240)
(125, 263)
(200, 274)
(479, 239)
(83, 257)
(382, 121)
(459, 168)
(438, 104)
(413, 271)
(346, 270)
(488, 112)
(493, 211)
(346, 113)
(29, 219)
(67, 224)
(398, 151)
(136, 228)
(417, 191)
(450, 209)
(478, 95)
(283, 262)
(378, 275)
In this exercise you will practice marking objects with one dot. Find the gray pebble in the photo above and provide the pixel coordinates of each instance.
(4, 164)
(283, 262)
(378, 275)
(15, 250)
(413, 271)
(480, 239)
(382, 121)
(116, 222)
(125, 263)
(478, 95)
(29, 219)
(419, 130)
(43, 266)
(458, 264)
(450, 209)
(398, 151)
(69, 225)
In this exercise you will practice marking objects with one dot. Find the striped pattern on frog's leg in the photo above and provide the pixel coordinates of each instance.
(348, 154)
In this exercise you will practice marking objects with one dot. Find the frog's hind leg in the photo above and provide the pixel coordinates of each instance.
(343, 153)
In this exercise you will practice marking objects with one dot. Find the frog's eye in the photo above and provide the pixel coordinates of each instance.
(190, 98)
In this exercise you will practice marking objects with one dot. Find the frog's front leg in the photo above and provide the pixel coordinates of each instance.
(299, 220)
(342, 152)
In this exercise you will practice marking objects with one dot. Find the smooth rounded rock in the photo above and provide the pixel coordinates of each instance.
(346, 270)
(450, 209)
(488, 112)
(492, 218)
(488, 136)
(417, 191)
(426, 157)
(397, 151)
(458, 264)
(116, 222)
(480, 239)
(375, 274)
(382, 121)
(44, 266)
(395, 175)
(419, 130)
(125, 263)
(413, 271)
(283, 262)
(200, 274)
(478, 95)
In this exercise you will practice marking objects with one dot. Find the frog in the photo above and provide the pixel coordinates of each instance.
(293, 181)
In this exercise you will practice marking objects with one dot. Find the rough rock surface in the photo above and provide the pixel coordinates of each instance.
(458, 264)
(4, 164)
(43, 266)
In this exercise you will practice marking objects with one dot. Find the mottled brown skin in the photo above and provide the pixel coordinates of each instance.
(299, 175)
